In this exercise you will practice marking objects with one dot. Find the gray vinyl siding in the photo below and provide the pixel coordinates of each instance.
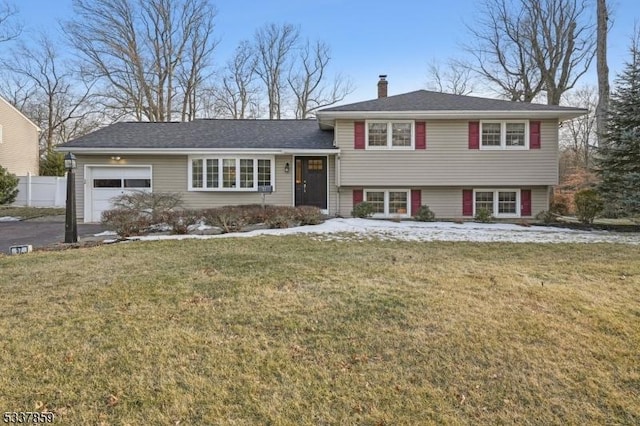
(448, 161)
(169, 174)
(445, 202)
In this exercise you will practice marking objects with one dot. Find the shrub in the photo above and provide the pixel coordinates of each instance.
(152, 204)
(560, 204)
(483, 215)
(588, 205)
(282, 217)
(546, 216)
(125, 222)
(254, 213)
(229, 219)
(181, 220)
(309, 215)
(8, 186)
(424, 214)
(362, 210)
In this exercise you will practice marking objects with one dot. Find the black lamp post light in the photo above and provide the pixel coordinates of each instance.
(70, 224)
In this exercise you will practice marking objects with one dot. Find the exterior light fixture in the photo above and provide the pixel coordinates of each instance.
(70, 223)
(116, 158)
(286, 168)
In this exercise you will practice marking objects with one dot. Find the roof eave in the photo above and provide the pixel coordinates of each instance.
(326, 117)
(194, 151)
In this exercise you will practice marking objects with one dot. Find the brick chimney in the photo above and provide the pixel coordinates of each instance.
(382, 86)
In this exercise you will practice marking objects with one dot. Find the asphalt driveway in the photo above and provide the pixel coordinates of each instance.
(40, 233)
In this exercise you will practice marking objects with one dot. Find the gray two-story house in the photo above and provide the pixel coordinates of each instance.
(454, 153)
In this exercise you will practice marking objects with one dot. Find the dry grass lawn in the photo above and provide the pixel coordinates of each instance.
(30, 212)
(289, 330)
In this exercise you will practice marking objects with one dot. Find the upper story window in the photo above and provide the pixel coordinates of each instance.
(390, 134)
(504, 135)
(230, 173)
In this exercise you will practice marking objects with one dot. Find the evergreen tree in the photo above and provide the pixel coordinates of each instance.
(52, 164)
(619, 160)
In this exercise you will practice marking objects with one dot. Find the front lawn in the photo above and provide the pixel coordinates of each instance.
(291, 330)
(30, 212)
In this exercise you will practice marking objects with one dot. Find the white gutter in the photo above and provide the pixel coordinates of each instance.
(563, 114)
(183, 151)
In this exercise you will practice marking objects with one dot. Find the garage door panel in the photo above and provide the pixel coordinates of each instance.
(110, 182)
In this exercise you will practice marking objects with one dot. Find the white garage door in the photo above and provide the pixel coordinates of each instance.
(109, 182)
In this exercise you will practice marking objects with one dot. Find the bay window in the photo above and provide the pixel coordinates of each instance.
(230, 174)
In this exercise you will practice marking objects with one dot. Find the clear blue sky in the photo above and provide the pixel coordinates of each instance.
(399, 38)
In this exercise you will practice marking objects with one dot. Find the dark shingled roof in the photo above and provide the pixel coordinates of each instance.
(209, 134)
(424, 100)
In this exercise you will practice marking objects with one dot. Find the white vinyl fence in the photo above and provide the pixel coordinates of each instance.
(41, 191)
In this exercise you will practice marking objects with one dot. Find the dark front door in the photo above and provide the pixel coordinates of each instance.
(311, 181)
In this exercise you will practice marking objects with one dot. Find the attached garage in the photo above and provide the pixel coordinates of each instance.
(103, 183)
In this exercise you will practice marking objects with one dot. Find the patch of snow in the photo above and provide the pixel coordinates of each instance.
(106, 234)
(357, 229)
(9, 219)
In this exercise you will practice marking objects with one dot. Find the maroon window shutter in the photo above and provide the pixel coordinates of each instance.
(467, 202)
(474, 135)
(358, 196)
(416, 201)
(421, 135)
(358, 137)
(525, 202)
(534, 135)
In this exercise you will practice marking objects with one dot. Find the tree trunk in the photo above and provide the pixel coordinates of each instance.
(603, 72)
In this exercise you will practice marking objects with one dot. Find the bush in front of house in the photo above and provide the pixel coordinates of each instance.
(181, 220)
(547, 216)
(424, 214)
(309, 215)
(153, 204)
(362, 210)
(588, 205)
(8, 186)
(229, 218)
(125, 223)
(483, 215)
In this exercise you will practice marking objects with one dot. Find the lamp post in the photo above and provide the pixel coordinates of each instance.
(70, 224)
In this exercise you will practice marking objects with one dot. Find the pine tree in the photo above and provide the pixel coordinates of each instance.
(619, 161)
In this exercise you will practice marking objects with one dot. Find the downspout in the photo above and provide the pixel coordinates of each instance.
(337, 184)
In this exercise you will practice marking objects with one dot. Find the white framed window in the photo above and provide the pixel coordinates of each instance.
(230, 173)
(384, 134)
(504, 134)
(501, 203)
(389, 202)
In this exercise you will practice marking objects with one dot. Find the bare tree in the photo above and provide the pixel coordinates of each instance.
(9, 27)
(579, 135)
(237, 95)
(526, 47)
(274, 45)
(455, 78)
(501, 52)
(146, 53)
(603, 70)
(47, 90)
(308, 81)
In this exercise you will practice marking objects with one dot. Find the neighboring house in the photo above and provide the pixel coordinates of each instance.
(453, 153)
(19, 150)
